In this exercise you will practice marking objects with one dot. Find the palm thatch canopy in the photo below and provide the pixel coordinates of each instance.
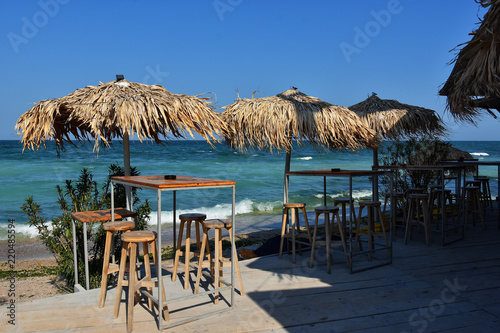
(393, 120)
(473, 86)
(272, 123)
(117, 109)
(434, 154)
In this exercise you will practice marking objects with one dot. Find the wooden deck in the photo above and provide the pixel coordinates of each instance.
(452, 288)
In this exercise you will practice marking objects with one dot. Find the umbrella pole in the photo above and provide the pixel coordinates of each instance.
(375, 177)
(285, 186)
(126, 167)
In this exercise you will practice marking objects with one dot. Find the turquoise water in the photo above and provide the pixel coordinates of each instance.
(258, 176)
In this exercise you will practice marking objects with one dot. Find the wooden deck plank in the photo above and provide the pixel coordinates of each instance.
(454, 288)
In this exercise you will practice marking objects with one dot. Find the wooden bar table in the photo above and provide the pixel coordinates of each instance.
(350, 174)
(441, 169)
(474, 162)
(175, 183)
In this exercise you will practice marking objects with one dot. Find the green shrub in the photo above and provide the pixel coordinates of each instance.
(77, 196)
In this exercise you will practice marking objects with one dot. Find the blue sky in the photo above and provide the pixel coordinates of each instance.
(339, 51)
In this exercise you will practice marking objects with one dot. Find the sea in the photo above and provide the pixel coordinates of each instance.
(259, 177)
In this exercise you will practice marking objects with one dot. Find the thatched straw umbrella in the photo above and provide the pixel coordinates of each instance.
(392, 120)
(273, 123)
(473, 86)
(117, 109)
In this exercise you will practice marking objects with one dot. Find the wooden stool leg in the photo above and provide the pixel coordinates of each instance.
(147, 269)
(283, 230)
(307, 223)
(313, 243)
(237, 265)
(121, 281)
(480, 207)
(341, 227)
(328, 237)
(409, 222)
(217, 264)
(427, 223)
(200, 261)
(105, 267)
(371, 226)
(382, 225)
(178, 251)
(358, 225)
(131, 287)
(293, 234)
(197, 226)
(187, 255)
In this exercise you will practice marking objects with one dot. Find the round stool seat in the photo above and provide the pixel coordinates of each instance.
(341, 200)
(370, 203)
(118, 225)
(218, 224)
(294, 205)
(193, 216)
(472, 188)
(330, 209)
(139, 236)
(418, 196)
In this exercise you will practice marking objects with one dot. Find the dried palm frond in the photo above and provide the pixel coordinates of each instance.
(393, 120)
(474, 83)
(116, 108)
(273, 123)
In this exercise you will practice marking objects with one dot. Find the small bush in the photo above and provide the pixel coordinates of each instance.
(57, 235)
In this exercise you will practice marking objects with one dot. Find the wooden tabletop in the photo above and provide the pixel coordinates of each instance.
(336, 172)
(470, 162)
(421, 167)
(101, 215)
(159, 181)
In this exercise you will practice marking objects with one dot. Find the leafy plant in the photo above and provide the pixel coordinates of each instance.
(57, 235)
(417, 150)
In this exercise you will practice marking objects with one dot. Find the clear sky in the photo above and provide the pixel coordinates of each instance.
(339, 51)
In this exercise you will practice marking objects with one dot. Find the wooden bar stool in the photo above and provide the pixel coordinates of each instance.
(217, 261)
(92, 216)
(418, 202)
(372, 206)
(400, 205)
(344, 202)
(107, 267)
(473, 205)
(186, 220)
(485, 190)
(435, 204)
(130, 241)
(293, 231)
(329, 226)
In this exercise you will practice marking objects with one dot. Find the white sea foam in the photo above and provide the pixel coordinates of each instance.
(21, 229)
(356, 195)
(304, 158)
(480, 154)
(223, 211)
